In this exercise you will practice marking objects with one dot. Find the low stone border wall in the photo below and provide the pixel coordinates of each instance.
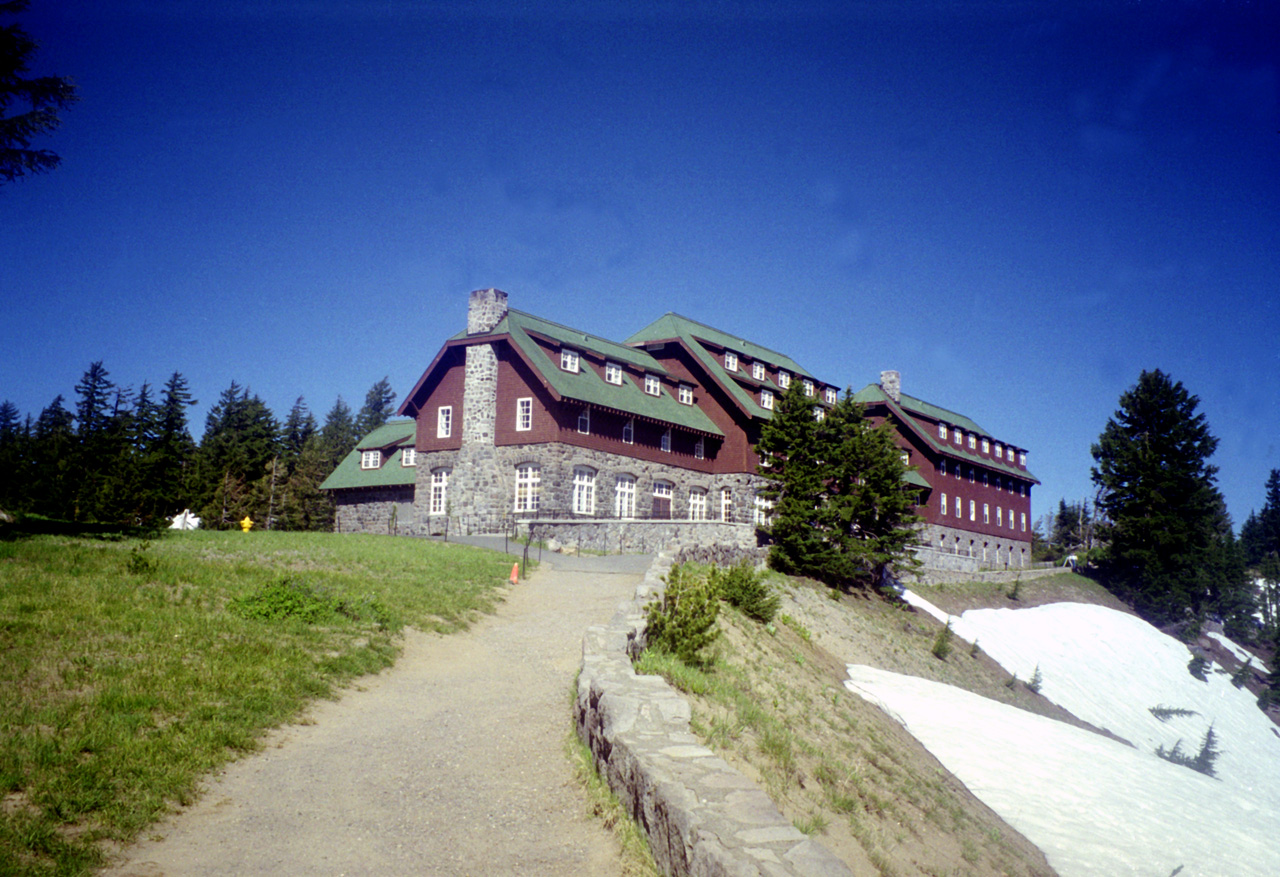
(702, 816)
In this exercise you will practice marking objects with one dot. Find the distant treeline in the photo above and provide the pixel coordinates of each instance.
(128, 457)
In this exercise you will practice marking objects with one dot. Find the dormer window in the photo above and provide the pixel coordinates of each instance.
(986, 446)
(766, 400)
(757, 370)
(942, 431)
(973, 442)
(959, 436)
(371, 459)
(808, 387)
(569, 360)
(652, 385)
(409, 457)
(784, 379)
(830, 395)
(686, 394)
(613, 373)
(730, 361)
(999, 452)
(1022, 458)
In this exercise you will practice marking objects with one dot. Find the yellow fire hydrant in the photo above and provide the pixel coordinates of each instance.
(247, 524)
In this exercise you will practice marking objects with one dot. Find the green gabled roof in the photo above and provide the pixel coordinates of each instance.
(875, 394)
(586, 385)
(392, 439)
(696, 335)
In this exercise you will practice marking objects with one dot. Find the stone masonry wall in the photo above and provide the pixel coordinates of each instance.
(379, 510)
(641, 537)
(701, 815)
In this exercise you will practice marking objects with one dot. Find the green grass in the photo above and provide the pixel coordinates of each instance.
(130, 669)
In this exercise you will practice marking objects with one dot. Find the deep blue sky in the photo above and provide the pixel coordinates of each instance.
(1020, 206)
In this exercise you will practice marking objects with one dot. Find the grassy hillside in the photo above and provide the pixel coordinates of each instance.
(130, 668)
(774, 704)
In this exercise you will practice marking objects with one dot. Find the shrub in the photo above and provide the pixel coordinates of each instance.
(1036, 680)
(287, 598)
(942, 642)
(744, 587)
(1241, 676)
(682, 622)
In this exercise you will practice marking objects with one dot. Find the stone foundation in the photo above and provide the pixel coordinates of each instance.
(374, 510)
(701, 815)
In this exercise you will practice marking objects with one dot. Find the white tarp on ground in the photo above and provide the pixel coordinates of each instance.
(184, 521)
(1095, 806)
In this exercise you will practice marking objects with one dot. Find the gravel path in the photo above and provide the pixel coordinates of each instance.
(449, 763)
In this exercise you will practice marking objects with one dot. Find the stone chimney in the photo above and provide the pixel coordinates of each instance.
(485, 309)
(890, 382)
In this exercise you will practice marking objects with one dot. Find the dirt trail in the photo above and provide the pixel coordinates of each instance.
(449, 763)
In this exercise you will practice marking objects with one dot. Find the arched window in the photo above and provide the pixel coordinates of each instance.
(439, 491)
(624, 497)
(528, 487)
(662, 499)
(697, 504)
(584, 491)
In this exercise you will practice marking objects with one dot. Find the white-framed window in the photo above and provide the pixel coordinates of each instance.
(985, 481)
(942, 467)
(986, 446)
(999, 452)
(662, 499)
(652, 385)
(905, 458)
(973, 511)
(1011, 519)
(584, 491)
(409, 457)
(624, 497)
(1022, 458)
(584, 421)
(757, 370)
(569, 360)
(830, 395)
(959, 436)
(439, 491)
(613, 373)
(986, 513)
(808, 387)
(942, 431)
(997, 481)
(524, 414)
(686, 394)
(973, 441)
(666, 441)
(444, 421)
(371, 459)
(999, 516)
(943, 504)
(700, 449)
(629, 431)
(726, 504)
(956, 467)
(528, 487)
(697, 505)
(1022, 489)
(766, 400)
(784, 379)
(761, 510)
(971, 475)
(730, 361)
(819, 414)
(959, 507)
(1023, 518)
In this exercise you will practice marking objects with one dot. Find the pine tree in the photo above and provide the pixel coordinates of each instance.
(842, 511)
(338, 435)
(241, 436)
(379, 405)
(52, 462)
(13, 448)
(1158, 492)
(171, 456)
(298, 429)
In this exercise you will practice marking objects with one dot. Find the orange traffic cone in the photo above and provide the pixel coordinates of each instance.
(515, 573)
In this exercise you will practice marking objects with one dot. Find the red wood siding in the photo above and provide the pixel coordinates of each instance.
(446, 389)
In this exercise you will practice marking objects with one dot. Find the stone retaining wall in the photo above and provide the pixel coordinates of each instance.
(613, 536)
(702, 816)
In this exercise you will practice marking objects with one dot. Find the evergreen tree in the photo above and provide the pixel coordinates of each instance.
(52, 462)
(1159, 495)
(842, 512)
(1268, 520)
(171, 455)
(379, 405)
(42, 97)
(298, 429)
(338, 435)
(13, 448)
(241, 436)
(1251, 540)
(306, 506)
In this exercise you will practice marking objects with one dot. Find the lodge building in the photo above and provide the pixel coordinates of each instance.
(518, 418)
